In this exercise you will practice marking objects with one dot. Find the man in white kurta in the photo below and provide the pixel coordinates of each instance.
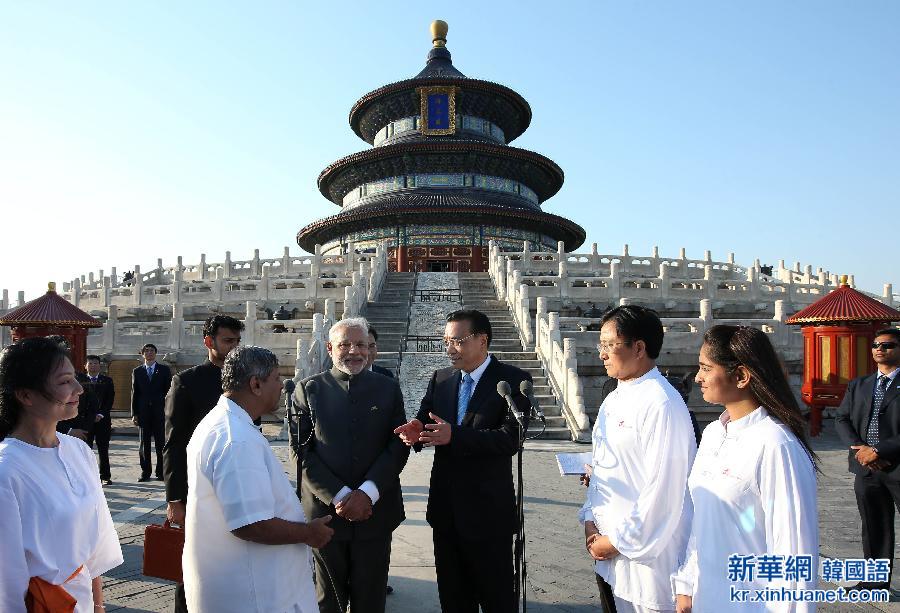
(234, 481)
(643, 447)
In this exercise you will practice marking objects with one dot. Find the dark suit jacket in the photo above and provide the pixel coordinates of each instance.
(852, 421)
(105, 392)
(471, 480)
(193, 394)
(354, 441)
(381, 370)
(88, 407)
(148, 396)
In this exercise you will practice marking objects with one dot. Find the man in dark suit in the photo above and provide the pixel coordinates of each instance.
(351, 471)
(149, 385)
(868, 420)
(193, 394)
(103, 390)
(471, 503)
(373, 355)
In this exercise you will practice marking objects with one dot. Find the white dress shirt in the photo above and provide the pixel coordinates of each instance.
(643, 447)
(753, 487)
(53, 519)
(234, 480)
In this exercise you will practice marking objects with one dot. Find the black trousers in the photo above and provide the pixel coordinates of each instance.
(101, 433)
(155, 431)
(180, 605)
(607, 600)
(877, 496)
(472, 573)
(358, 570)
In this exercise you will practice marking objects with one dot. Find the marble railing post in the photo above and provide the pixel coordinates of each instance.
(177, 324)
(204, 274)
(137, 287)
(315, 271)
(349, 310)
(330, 311)
(4, 303)
(262, 290)
(852, 281)
(526, 252)
(574, 388)
(219, 284)
(227, 265)
(249, 336)
(317, 349)
(20, 298)
(753, 278)
(254, 265)
(538, 319)
(665, 284)
(711, 285)
(595, 258)
(706, 314)
(350, 258)
(888, 294)
(615, 280)
(778, 323)
(109, 328)
(525, 317)
(113, 277)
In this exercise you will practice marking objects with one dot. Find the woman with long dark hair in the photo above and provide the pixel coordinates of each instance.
(753, 482)
(56, 534)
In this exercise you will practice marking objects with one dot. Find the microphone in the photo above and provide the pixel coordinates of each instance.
(527, 389)
(505, 390)
(288, 388)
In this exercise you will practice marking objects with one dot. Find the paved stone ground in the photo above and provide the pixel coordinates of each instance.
(559, 572)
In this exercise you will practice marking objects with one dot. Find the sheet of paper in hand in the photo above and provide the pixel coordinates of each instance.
(572, 463)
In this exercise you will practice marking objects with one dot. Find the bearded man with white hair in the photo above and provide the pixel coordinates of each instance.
(351, 471)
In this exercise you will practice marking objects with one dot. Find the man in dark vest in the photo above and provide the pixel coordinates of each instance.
(351, 471)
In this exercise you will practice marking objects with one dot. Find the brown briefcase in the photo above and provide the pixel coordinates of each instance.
(162, 551)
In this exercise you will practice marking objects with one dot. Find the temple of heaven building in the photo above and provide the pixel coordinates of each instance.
(441, 179)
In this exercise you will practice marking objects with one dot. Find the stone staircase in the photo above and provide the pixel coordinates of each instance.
(478, 292)
(389, 316)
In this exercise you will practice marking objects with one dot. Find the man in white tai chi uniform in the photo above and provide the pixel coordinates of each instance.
(637, 513)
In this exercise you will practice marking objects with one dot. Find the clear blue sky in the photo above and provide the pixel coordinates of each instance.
(136, 130)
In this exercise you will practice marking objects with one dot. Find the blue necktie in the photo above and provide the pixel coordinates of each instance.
(149, 372)
(465, 392)
(878, 398)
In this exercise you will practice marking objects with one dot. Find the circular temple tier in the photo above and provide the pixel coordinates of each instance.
(441, 180)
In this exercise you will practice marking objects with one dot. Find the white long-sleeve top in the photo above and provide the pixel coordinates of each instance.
(643, 447)
(753, 487)
(53, 519)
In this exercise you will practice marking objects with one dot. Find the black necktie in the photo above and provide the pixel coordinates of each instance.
(877, 400)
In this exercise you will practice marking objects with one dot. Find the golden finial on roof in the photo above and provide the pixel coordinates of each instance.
(845, 280)
(439, 33)
(51, 287)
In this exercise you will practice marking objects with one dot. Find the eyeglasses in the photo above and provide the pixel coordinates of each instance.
(884, 346)
(604, 347)
(347, 345)
(457, 342)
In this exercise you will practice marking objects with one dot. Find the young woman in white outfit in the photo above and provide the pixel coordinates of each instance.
(753, 482)
(54, 522)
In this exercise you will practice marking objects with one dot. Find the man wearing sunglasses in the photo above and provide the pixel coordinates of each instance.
(868, 420)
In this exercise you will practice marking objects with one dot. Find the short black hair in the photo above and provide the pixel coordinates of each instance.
(214, 322)
(478, 320)
(895, 332)
(637, 323)
(374, 333)
(149, 346)
(91, 356)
